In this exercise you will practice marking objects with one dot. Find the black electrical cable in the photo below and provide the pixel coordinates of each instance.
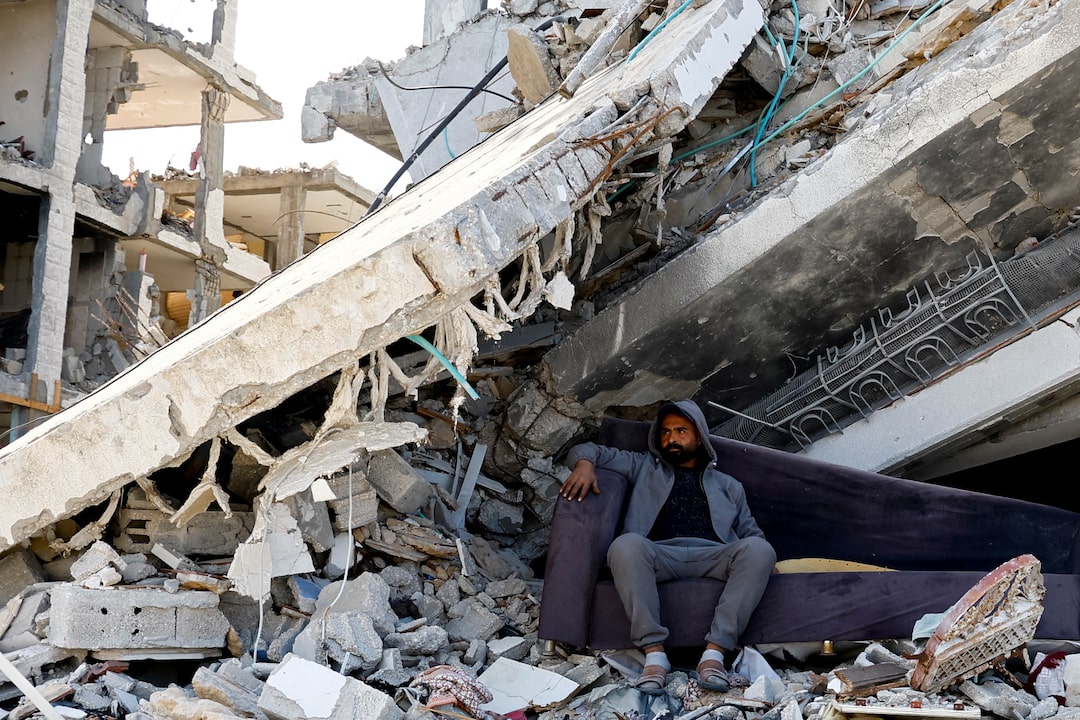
(399, 86)
(476, 90)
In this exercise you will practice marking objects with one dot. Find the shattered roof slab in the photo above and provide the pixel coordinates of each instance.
(973, 150)
(393, 274)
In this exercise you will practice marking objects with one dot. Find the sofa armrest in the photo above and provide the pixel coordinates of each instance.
(580, 535)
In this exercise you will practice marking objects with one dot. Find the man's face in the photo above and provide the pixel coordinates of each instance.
(678, 440)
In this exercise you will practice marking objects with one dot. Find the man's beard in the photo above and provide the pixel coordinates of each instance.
(676, 454)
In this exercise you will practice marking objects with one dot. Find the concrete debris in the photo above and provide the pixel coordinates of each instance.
(320, 540)
(364, 637)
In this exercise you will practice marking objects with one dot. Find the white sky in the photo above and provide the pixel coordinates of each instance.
(290, 45)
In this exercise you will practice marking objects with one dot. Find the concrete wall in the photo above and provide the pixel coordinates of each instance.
(474, 51)
(25, 33)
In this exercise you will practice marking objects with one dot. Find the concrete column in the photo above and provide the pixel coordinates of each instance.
(56, 222)
(290, 243)
(210, 207)
(223, 34)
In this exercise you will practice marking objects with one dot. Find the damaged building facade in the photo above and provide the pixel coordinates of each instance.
(98, 271)
(728, 201)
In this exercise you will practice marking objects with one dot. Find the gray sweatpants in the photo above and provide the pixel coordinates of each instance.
(638, 564)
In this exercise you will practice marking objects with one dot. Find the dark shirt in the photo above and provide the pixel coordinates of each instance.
(686, 511)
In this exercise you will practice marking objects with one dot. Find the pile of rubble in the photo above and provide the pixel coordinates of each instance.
(357, 569)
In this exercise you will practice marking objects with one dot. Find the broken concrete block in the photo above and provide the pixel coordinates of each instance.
(19, 569)
(92, 697)
(105, 577)
(221, 689)
(135, 618)
(350, 513)
(501, 517)
(350, 640)
(472, 620)
(530, 66)
(173, 702)
(366, 595)
(476, 654)
(95, 558)
(397, 483)
(426, 640)
(303, 690)
(506, 588)
(313, 518)
(23, 621)
(402, 583)
(510, 647)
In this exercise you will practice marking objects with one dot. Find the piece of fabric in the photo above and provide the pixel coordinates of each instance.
(449, 683)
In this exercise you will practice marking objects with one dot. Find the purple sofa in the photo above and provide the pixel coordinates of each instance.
(938, 541)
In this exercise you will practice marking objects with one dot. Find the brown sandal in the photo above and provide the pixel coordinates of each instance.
(711, 675)
(651, 681)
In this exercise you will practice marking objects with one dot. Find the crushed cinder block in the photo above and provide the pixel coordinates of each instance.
(355, 502)
(351, 642)
(136, 619)
(299, 689)
(397, 483)
(366, 595)
(174, 702)
(511, 647)
(97, 557)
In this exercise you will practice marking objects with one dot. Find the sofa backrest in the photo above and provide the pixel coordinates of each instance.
(808, 508)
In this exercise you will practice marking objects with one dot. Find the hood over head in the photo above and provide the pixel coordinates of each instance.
(689, 410)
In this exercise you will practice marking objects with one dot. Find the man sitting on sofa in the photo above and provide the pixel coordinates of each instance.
(684, 518)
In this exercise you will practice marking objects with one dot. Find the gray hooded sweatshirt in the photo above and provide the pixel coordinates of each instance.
(651, 478)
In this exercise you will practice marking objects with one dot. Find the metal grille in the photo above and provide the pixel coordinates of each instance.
(945, 322)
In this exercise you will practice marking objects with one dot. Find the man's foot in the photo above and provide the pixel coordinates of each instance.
(651, 681)
(711, 675)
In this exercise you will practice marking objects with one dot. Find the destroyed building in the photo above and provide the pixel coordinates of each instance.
(98, 271)
(718, 200)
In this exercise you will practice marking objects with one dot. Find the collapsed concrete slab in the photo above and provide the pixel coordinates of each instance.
(398, 271)
(964, 154)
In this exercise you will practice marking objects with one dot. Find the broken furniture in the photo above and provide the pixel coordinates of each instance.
(935, 542)
(988, 624)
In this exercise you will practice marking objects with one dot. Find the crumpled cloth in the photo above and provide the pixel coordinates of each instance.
(447, 681)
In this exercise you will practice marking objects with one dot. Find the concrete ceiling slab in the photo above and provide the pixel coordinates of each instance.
(975, 150)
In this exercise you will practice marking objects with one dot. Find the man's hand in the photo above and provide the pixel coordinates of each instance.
(582, 479)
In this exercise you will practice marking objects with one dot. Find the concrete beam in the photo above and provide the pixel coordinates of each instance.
(395, 273)
(1041, 364)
